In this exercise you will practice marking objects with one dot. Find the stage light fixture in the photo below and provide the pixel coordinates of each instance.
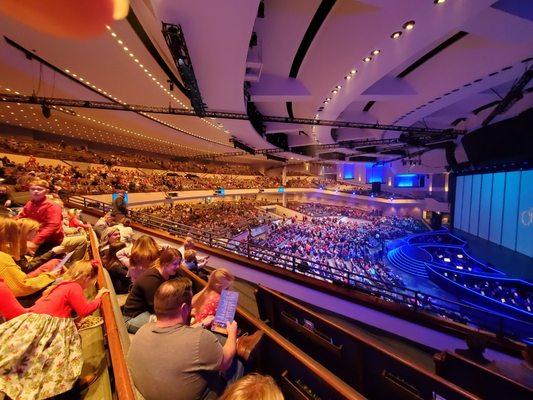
(376, 52)
(353, 71)
(348, 77)
(409, 25)
(439, 1)
(396, 35)
(46, 111)
(367, 59)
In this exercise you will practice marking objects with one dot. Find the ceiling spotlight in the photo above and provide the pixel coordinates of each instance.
(439, 1)
(338, 86)
(353, 71)
(409, 25)
(367, 59)
(396, 35)
(376, 52)
(335, 91)
(328, 98)
(348, 77)
(325, 102)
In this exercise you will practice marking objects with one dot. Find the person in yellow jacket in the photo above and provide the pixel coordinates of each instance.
(20, 283)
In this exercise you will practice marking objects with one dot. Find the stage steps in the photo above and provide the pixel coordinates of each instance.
(404, 262)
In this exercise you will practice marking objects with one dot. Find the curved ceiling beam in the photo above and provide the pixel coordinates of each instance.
(318, 19)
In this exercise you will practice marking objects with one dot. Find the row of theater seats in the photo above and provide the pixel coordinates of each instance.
(374, 371)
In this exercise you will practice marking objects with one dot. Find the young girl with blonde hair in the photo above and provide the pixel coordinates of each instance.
(45, 360)
(205, 302)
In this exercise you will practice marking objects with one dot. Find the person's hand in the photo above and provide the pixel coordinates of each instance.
(58, 250)
(231, 328)
(101, 292)
(207, 321)
(31, 247)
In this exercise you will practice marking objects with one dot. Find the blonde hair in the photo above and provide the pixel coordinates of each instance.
(190, 255)
(78, 271)
(144, 252)
(13, 235)
(26, 226)
(253, 386)
(39, 182)
(218, 280)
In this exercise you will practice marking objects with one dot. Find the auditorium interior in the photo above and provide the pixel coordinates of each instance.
(266, 199)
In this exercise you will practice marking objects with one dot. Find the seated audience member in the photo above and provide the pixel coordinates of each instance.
(109, 236)
(35, 265)
(205, 302)
(191, 262)
(6, 200)
(119, 205)
(103, 223)
(20, 283)
(74, 221)
(139, 305)
(476, 347)
(117, 272)
(126, 231)
(139, 256)
(46, 359)
(47, 213)
(253, 386)
(191, 372)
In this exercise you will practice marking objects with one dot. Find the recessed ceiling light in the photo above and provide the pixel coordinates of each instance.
(376, 52)
(439, 1)
(353, 71)
(367, 59)
(396, 35)
(348, 77)
(335, 91)
(328, 98)
(409, 25)
(338, 86)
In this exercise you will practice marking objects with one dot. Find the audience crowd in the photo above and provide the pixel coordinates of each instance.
(519, 295)
(344, 251)
(223, 218)
(65, 151)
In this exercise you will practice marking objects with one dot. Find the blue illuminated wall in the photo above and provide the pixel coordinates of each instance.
(348, 171)
(375, 173)
(497, 207)
(408, 180)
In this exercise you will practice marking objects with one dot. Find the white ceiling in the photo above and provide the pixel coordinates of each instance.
(448, 86)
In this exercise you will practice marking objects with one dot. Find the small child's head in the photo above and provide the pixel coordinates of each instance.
(38, 188)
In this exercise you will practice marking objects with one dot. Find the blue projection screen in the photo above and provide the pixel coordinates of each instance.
(497, 207)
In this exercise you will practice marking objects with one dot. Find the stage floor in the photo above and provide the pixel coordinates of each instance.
(512, 263)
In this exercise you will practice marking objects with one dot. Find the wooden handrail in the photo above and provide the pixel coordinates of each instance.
(313, 366)
(123, 384)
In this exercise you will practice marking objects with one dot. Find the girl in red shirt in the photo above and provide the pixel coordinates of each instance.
(45, 359)
(205, 302)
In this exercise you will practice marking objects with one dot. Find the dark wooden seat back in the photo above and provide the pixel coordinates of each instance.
(479, 379)
(362, 362)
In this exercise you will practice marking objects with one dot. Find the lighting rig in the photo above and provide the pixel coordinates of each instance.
(178, 48)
